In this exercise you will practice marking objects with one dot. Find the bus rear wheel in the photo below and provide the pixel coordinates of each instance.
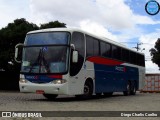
(50, 96)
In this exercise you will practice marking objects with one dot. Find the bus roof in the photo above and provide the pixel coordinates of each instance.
(87, 33)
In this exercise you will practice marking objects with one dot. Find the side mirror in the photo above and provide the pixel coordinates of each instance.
(75, 57)
(16, 52)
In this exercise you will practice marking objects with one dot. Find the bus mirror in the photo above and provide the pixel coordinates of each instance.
(16, 52)
(75, 57)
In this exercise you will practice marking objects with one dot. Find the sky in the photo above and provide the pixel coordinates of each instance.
(124, 21)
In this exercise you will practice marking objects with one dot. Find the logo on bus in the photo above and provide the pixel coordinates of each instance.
(122, 69)
(32, 77)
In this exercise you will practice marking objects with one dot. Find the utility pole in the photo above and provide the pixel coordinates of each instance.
(137, 47)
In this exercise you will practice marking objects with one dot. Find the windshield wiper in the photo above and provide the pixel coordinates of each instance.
(41, 61)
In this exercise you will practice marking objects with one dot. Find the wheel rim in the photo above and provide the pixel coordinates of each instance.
(86, 90)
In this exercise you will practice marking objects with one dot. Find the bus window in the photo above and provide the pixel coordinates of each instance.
(140, 60)
(116, 52)
(96, 47)
(125, 55)
(92, 46)
(89, 44)
(133, 58)
(105, 49)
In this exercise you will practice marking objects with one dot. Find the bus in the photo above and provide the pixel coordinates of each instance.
(67, 61)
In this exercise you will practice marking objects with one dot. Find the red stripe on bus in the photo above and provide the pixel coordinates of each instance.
(99, 60)
(55, 76)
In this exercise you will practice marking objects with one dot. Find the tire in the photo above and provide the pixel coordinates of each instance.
(133, 90)
(107, 94)
(128, 89)
(88, 91)
(50, 96)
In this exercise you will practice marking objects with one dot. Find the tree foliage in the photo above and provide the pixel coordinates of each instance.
(155, 53)
(13, 34)
(55, 24)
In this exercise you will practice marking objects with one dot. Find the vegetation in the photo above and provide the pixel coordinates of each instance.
(155, 53)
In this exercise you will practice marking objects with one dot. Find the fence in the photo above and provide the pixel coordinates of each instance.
(152, 83)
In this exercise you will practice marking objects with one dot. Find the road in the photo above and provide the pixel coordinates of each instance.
(15, 101)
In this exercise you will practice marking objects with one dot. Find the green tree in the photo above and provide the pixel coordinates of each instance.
(155, 53)
(12, 34)
(55, 24)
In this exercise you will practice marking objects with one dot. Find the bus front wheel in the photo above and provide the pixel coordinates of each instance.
(87, 90)
(50, 96)
(128, 89)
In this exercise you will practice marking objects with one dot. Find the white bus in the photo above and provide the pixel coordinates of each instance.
(64, 61)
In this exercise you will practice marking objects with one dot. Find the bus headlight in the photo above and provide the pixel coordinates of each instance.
(59, 81)
(22, 80)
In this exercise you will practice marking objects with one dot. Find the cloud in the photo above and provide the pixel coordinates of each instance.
(93, 27)
(115, 15)
(70, 12)
(144, 20)
(11, 10)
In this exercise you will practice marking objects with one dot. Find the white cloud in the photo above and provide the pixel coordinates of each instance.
(93, 27)
(70, 12)
(144, 20)
(109, 13)
(11, 10)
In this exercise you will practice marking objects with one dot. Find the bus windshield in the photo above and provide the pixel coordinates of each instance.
(46, 53)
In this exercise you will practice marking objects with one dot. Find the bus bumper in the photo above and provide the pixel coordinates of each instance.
(49, 88)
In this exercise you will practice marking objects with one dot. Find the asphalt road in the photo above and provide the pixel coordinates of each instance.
(15, 101)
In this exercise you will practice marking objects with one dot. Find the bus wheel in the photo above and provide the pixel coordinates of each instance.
(133, 90)
(88, 89)
(50, 96)
(108, 94)
(128, 91)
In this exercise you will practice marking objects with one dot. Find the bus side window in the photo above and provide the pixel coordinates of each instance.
(125, 55)
(140, 60)
(90, 46)
(96, 47)
(105, 49)
(116, 52)
(133, 57)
